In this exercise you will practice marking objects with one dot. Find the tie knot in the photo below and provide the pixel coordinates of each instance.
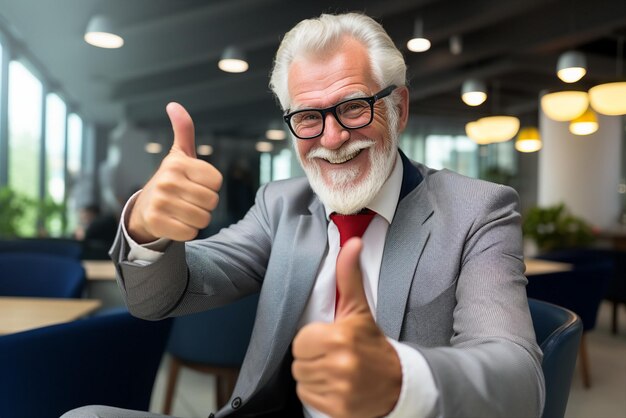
(350, 226)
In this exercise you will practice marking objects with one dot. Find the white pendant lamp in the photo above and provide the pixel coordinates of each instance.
(492, 129)
(528, 140)
(586, 124)
(100, 32)
(473, 132)
(418, 43)
(233, 60)
(498, 128)
(571, 66)
(564, 105)
(610, 98)
(473, 92)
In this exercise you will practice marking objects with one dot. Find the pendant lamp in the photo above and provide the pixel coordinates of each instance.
(564, 105)
(528, 140)
(571, 66)
(100, 32)
(586, 124)
(610, 98)
(418, 43)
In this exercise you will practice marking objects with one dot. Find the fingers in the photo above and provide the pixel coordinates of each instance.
(311, 341)
(352, 297)
(182, 125)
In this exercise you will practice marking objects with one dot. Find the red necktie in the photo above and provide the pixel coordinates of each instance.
(351, 226)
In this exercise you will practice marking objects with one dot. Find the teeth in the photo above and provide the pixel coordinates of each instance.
(345, 158)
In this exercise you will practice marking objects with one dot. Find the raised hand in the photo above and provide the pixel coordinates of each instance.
(178, 200)
(348, 368)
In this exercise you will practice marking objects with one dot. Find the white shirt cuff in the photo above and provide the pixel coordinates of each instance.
(142, 254)
(419, 393)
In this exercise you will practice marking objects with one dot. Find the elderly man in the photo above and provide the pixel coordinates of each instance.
(386, 288)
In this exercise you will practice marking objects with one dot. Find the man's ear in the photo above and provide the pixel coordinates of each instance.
(403, 107)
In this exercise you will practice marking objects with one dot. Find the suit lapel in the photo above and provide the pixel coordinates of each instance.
(406, 239)
(284, 297)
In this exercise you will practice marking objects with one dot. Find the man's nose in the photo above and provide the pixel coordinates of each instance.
(334, 134)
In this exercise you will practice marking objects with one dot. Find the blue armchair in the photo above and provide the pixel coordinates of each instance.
(52, 246)
(107, 360)
(580, 290)
(213, 342)
(558, 333)
(40, 275)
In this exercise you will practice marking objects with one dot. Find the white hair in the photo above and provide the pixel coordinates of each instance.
(325, 34)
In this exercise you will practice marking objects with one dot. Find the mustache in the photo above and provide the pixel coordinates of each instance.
(345, 151)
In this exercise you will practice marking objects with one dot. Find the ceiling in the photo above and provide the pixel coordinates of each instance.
(172, 48)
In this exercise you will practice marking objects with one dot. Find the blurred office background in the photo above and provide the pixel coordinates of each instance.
(84, 125)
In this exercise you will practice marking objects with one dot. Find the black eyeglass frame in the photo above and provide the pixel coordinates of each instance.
(333, 109)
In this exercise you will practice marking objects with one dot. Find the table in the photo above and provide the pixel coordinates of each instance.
(99, 269)
(21, 313)
(537, 266)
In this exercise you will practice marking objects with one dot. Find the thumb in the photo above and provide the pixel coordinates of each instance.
(352, 298)
(182, 124)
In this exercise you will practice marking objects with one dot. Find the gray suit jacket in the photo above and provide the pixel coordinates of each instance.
(451, 285)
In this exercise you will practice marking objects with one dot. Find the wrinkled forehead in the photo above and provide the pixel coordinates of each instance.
(324, 78)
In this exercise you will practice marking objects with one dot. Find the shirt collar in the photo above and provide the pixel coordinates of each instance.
(386, 201)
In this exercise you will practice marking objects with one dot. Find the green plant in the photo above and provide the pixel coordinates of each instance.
(13, 206)
(555, 228)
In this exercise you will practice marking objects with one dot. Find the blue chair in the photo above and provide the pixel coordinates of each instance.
(106, 360)
(40, 275)
(213, 342)
(558, 332)
(52, 246)
(580, 290)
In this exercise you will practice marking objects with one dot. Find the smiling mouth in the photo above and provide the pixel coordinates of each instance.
(343, 158)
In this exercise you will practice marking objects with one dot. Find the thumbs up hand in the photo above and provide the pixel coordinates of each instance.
(348, 368)
(179, 198)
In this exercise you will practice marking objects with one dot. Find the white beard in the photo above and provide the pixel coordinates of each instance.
(346, 195)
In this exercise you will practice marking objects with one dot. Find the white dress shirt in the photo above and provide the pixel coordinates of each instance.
(418, 393)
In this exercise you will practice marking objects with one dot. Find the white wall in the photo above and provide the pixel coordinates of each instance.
(581, 171)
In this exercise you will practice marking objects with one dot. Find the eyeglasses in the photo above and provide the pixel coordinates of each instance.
(351, 114)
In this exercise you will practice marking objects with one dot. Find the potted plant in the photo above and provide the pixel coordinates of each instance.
(552, 228)
(12, 209)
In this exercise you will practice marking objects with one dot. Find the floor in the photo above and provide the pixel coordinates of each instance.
(605, 399)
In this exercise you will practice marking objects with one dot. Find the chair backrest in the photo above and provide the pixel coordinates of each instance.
(217, 337)
(106, 360)
(40, 275)
(558, 332)
(581, 289)
(53, 246)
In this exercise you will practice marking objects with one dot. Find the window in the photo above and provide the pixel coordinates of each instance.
(74, 165)
(24, 120)
(457, 153)
(56, 116)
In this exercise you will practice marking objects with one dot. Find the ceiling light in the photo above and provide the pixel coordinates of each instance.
(473, 92)
(564, 105)
(153, 148)
(492, 129)
(204, 150)
(264, 146)
(571, 66)
(586, 124)
(528, 140)
(233, 60)
(498, 128)
(609, 98)
(418, 43)
(100, 32)
(473, 132)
